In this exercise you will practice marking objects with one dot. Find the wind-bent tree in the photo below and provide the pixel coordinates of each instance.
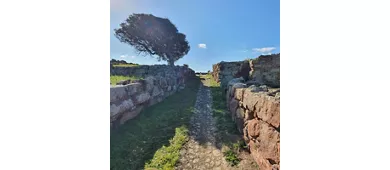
(153, 35)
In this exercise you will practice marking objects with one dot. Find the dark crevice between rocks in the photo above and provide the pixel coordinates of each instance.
(274, 127)
(271, 161)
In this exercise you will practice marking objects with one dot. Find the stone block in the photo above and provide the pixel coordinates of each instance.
(268, 110)
(142, 98)
(118, 93)
(134, 88)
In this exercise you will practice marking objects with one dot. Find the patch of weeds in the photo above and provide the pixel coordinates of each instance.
(231, 157)
(156, 134)
(166, 157)
(239, 145)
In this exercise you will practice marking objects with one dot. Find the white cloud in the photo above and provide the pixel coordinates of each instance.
(264, 49)
(202, 45)
(127, 56)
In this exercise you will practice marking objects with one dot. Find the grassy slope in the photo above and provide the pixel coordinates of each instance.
(135, 143)
(115, 78)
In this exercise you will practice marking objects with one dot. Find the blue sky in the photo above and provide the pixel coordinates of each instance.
(217, 30)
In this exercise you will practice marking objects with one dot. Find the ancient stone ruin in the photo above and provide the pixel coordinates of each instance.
(262, 70)
(129, 98)
(253, 98)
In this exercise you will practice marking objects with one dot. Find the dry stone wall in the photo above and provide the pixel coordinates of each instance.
(266, 70)
(223, 72)
(148, 70)
(256, 112)
(262, 70)
(253, 100)
(130, 98)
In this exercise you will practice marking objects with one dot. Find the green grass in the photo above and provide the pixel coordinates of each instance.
(125, 65)
(226, 126)
(115, 78)
(155, 136)
(166, 157)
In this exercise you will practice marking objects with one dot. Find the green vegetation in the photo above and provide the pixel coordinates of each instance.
(225, 124)
(122, 63)
(231, 157)
(166, 157)
(115, 78)
(227, 130)
(167, 43)
(154, 138)
(125, 65)
(231, 154)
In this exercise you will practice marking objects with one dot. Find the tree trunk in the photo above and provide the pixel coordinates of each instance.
(171, 63)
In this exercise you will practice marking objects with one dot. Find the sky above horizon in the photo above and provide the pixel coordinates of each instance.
(216, 30)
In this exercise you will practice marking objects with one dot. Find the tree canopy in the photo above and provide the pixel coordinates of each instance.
(153, 35)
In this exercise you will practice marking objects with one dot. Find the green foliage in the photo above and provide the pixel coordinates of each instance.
(231, 157)
(115, 78)
(153, 35)
(166, 157)
(121, 62)
(125, 65)
(239, 145)
(160, 128)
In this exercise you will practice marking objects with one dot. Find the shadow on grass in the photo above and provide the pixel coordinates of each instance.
(135, 142)
(227, 131)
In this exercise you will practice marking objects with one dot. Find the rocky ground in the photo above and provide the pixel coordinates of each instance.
(203, 151)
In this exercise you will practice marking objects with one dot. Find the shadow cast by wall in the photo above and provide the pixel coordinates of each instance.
(135, 142)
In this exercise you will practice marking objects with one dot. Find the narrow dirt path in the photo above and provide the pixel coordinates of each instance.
(201, 151)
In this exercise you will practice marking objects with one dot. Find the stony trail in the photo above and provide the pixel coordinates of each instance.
(202, 151)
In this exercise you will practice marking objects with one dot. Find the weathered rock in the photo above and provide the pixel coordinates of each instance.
(149, 83)
(263, 88)
(134, 88)
(156, 91)
(248, 115)
(266, 145)
(236, 86)
(235, 80)
(233, 105)
(238, 94)
(250, 99)
(253, 129)
(254, 88)
(266, 69)
(268, 110)
(118, 93)
(142, 98)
